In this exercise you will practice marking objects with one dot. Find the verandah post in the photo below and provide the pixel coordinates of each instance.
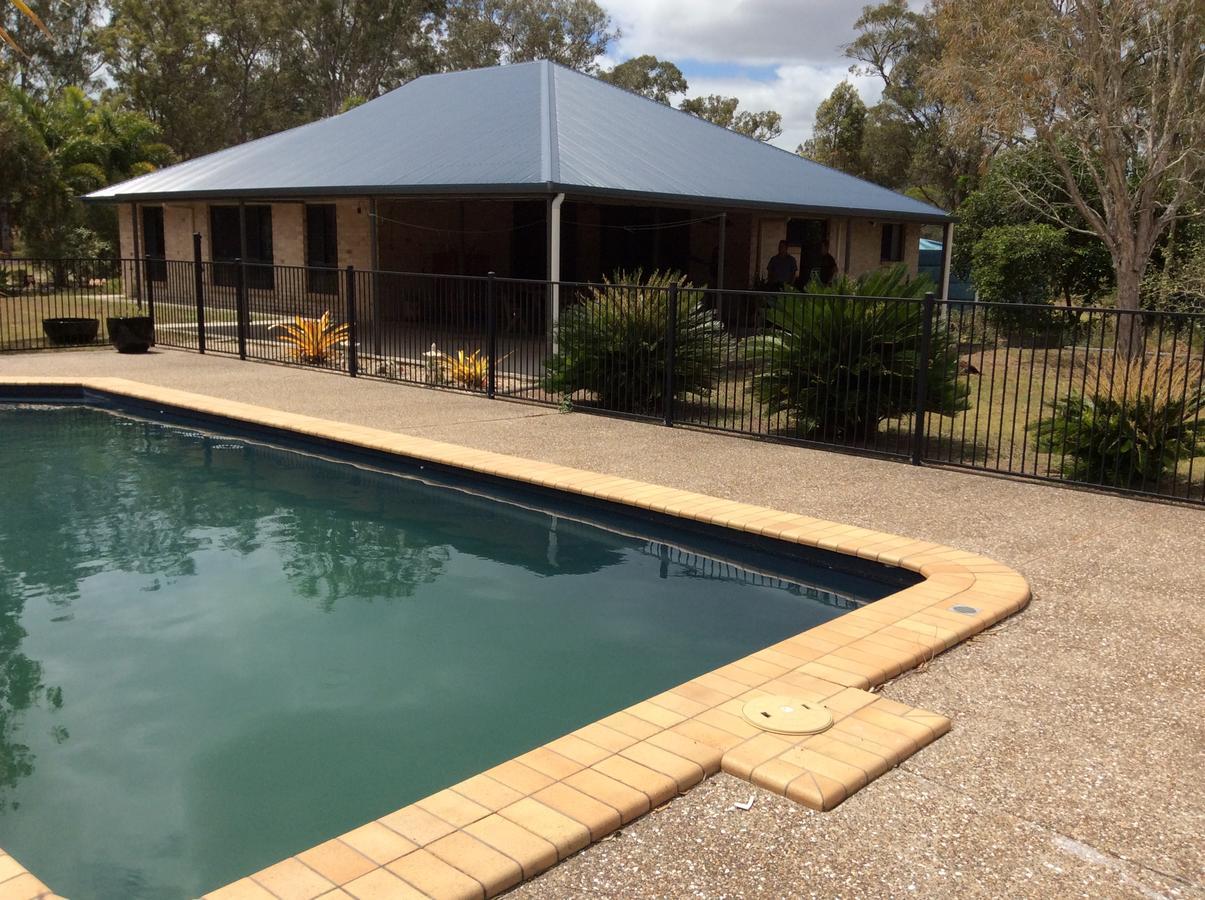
(671, 335)
(240, 306)
(150, 288)
(198, 287)
(353, 360)
(922, 379)
(491, 302)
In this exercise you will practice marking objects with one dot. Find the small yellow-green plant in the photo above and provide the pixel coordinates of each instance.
(312, 340)
(466, 370)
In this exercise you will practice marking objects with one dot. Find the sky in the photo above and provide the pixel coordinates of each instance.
(785, 55)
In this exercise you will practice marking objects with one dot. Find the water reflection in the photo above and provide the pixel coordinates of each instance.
(89, 494)
(21, 686)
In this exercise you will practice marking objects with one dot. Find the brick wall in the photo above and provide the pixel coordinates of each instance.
(288, 234)
(866, 243)
(354, 233)
(125, 231)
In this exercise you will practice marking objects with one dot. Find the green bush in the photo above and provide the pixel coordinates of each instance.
(1013, 264)
(1131, 426)
(839, 367)
(612, 343)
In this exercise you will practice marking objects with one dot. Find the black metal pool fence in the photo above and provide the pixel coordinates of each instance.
(1089, 396)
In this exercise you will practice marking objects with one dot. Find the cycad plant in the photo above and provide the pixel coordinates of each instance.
(312, 340)
(839, 359)
(1131, 423)
(613, 343)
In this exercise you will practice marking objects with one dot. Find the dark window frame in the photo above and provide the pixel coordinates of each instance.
(891, 244)
(322, 248)
(225, 244)
(154, 242)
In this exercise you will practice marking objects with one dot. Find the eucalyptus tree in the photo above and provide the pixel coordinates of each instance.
(839, 131)
(57, 50)
(764, 125)
(657, 79)
(899, 46)
(476, 33)
(1110, 88)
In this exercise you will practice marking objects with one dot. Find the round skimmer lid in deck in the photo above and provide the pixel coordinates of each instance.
(787, 715)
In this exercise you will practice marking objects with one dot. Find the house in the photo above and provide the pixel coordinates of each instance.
(530, 171)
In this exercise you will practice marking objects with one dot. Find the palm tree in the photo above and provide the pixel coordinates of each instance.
(23, 8)
(86, 145)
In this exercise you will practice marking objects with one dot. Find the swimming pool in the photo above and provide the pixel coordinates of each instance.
(216, 651)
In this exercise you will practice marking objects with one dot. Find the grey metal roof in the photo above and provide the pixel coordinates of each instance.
(520, 129)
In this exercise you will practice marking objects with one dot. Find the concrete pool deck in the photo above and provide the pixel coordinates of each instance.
(1071, 768)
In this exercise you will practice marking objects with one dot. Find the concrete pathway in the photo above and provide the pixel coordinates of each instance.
(1075, 764)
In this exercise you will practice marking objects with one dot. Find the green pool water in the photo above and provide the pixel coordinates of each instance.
(215, 653)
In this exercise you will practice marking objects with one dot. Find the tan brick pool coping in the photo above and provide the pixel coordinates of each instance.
(490, 832)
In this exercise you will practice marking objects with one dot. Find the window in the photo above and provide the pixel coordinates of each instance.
(226, 245)
(321, 248)
(154, 246)
(893, 243)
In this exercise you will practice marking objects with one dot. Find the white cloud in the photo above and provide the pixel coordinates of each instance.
(795, 92)
(801, 41)
(749, 32)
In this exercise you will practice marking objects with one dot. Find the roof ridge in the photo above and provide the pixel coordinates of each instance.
(791, 153)
(549, 139)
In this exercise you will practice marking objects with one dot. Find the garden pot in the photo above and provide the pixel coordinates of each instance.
(131, 334)
(70, 330)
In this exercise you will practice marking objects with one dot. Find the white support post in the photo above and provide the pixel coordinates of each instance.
(554, 267)
(947, 253)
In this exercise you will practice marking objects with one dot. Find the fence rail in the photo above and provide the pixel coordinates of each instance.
(1088, 396)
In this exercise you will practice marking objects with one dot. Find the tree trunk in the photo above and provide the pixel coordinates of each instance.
(1131, 336)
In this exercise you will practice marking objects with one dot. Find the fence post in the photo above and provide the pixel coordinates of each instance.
(198, 284)
(671, 336)
(150, 289)
(240, 306)
(922, 379)
(353, 360)
(491, 302)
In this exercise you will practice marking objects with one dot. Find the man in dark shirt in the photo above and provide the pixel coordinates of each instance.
(828, 265)
(782, 266)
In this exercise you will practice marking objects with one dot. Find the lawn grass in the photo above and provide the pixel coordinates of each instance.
(21, 315)
(1009, 388)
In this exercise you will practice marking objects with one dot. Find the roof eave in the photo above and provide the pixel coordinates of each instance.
(533, 189)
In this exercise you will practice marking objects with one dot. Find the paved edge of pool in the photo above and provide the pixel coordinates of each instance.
(494, 830)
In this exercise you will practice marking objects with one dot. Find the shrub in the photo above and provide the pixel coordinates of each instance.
(1180, 285)
(840, 366)
(612, 343)
(1021, 264)
(1131, 425)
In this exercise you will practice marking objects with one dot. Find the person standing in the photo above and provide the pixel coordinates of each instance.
(782, 267)
(828, 265)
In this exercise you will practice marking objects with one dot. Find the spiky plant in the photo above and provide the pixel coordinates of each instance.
(466, 370)
(312, 340)
(613, 343)
(839, 359)
(1131, 423)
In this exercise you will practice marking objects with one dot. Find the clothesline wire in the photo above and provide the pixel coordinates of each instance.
(658, 226)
